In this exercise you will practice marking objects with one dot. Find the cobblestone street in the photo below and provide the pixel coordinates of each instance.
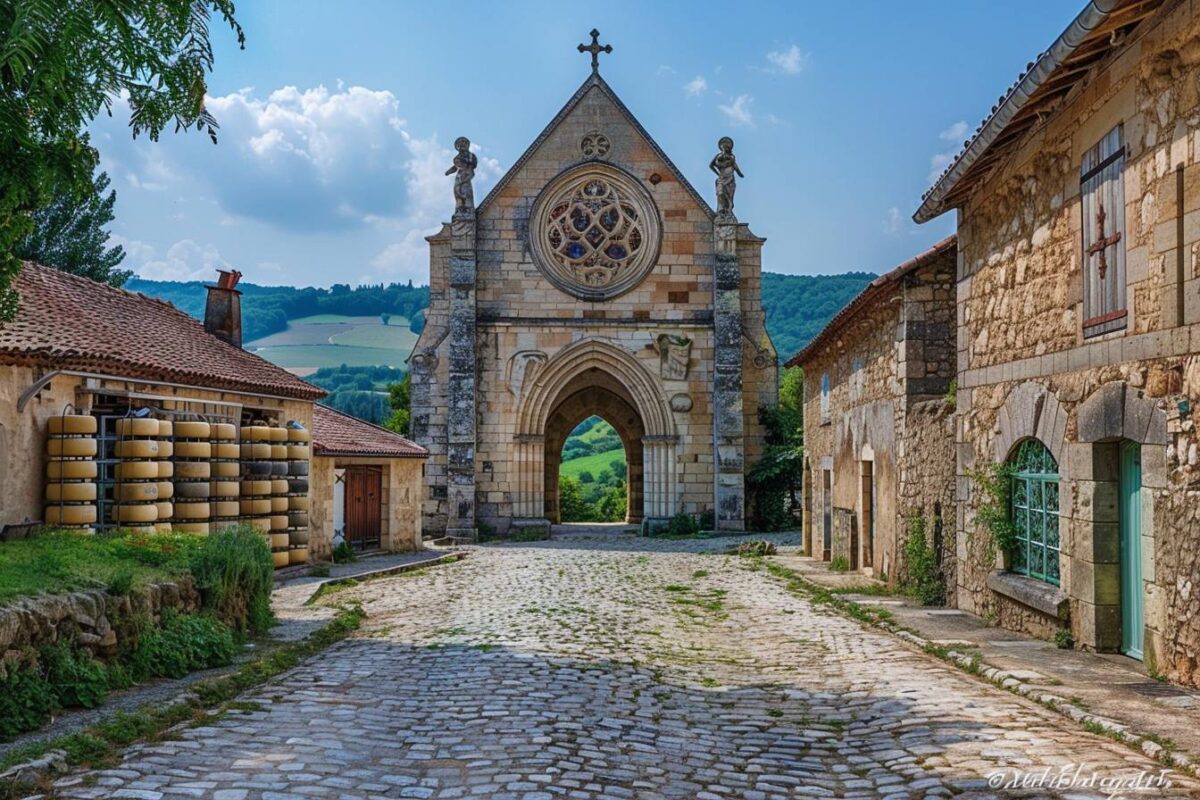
(610, 666)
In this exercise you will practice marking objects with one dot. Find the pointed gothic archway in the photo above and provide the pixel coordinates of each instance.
(595, 376)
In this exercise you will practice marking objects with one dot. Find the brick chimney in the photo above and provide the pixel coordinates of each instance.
(223, 313)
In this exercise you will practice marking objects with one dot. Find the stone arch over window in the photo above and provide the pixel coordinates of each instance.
(595, 376)
(1031, 411)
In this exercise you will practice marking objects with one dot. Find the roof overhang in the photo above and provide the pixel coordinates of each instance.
(1100, 28)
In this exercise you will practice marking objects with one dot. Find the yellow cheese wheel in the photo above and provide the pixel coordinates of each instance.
(279, 522)
(166, 509)
(78, 447)
(298, 436)
(255, 488)
(71, 424)
(165, 428)
(70, 515)
(279, 505)
(255, 508)
(71, 470)
(281, 558)
(262, 523)
(193, 470)
(136, 492)
(227, 450)
(166, 449)
(166, 469)
(193, 449)
(190, 429)
(298, 452)
(279, 486)
(138, 448)
(279, 452)
(256, 433)
(278, 434)
(70, 492)
(226, 508)
(223, 431)
(279, 540)
(226, 489)
(191, 527)
(298, 555)
(226, 469)
(147, 512)
(255, 451)
(166, 490)
(162, 527)
(298, 503)
(191, 510)
(138, 470)
(139, 427)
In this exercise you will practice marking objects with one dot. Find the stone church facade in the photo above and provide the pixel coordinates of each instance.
(592, 280)
(1078, 333)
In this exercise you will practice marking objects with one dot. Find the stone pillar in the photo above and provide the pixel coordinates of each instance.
(529, 508)
(460, 423)
(660, 500)
(728, 425)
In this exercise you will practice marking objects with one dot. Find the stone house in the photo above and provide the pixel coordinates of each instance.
(878, 439)
(1078, 205)
(102, 355)
(592, 280)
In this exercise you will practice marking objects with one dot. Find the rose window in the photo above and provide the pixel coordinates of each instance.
(597, 232)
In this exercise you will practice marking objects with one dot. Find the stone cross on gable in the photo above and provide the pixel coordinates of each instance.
(1102, 242)
(595, 48)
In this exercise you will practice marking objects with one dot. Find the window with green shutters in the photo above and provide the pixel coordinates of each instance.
(1035, 512)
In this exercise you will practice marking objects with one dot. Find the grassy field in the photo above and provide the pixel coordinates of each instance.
(593, 463)
(330, 340)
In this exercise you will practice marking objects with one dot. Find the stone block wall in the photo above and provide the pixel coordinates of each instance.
(1026, 369)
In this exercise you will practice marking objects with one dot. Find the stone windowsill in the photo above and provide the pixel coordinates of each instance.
(1035, 594)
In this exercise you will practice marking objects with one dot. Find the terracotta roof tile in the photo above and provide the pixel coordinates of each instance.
(68, 322)
(338, 434)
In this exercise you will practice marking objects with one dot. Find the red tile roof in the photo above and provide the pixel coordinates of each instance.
(864, 299)
(338, 434)
(72, 323)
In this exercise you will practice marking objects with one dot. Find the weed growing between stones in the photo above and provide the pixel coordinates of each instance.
(921, 577)
(839, 564)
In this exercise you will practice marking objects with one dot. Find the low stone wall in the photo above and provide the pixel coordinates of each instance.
(95, 620)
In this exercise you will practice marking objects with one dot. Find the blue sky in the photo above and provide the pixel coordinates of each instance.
(337, 126)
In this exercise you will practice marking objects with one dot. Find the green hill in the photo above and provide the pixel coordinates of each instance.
(799, 306)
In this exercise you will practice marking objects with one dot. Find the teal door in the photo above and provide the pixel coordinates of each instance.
(1131, 550)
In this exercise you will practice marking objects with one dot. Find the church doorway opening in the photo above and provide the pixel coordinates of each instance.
(593, 455)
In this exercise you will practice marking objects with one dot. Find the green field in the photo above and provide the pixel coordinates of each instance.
(593, 463)
(330, 340)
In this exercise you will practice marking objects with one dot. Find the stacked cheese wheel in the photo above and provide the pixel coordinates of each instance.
(193, 475)
(226, 470)
(280, 541)
(256, 477)
(142, 451)
(71, 471)
(297, 464)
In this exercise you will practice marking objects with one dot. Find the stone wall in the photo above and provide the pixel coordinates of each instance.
(1026, 369)
(400, 517)
(98, 621)
(926, 482)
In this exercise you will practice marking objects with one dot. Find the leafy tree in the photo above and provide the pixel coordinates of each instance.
(618, 468)
(586, 477)
(773, 481)
(61, 64)
(400, 399)
(69, 235)
(571, 505)
(611, 507)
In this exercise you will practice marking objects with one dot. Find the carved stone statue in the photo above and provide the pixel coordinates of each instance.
(725, 165)
(463, 170)
(673, 354)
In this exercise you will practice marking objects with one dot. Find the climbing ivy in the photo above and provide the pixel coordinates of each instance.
(993, 516)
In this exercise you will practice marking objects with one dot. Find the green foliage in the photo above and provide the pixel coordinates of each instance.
(611, 507)
(75, 678)
(1063, 639)
(361, 392)
(839, 564)
(28, 700)
(180, 644)
(772, 482)
(235, 573)
(952, 393)
(994, 513)
(920, 577)
(62, 64)
(682, 524)
(416, 323)
(571, 505)
(798, 306)
(400, 401)
(69, 234)
(344, 553)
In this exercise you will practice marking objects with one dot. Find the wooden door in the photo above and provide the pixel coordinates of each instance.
(364, 489)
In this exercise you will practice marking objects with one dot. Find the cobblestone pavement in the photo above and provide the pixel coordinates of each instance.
(614, 667)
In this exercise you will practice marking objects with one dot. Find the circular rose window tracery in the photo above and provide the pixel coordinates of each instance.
(595, 233)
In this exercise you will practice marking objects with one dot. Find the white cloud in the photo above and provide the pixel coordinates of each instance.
(664, 69)
(696, 86)
(939, 161)
(891, 221)
(787, 62)
(738, 113)
(184, 261)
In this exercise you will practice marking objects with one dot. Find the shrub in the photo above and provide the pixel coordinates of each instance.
(993, 514)
(839, 564)
(683, 524)
(75, 678)
(234, 573)
(121, 583)
(180, 644)
(344, 553)
(28, 700)
(922, 580)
